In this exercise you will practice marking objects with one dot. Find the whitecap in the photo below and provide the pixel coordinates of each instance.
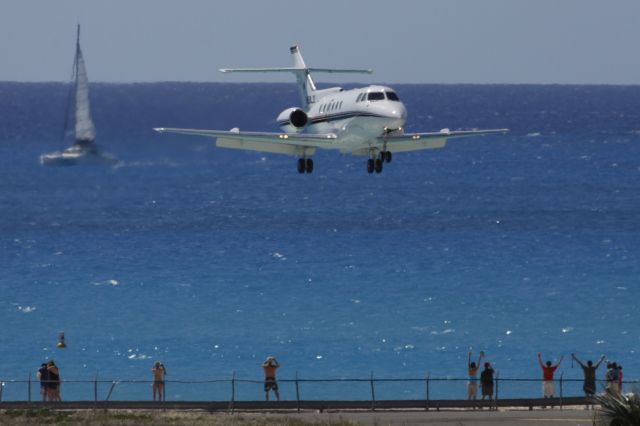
(567, 329)
(277, 255)
(319, 357)
(26, 309)
(110, 282)
(508, 332)
(533, 135)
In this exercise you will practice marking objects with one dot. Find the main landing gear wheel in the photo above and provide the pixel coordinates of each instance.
(370, 165)
(305, 165)
(378, 165)
(387, 156)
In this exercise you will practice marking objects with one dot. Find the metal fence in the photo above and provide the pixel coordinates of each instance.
(296, 389)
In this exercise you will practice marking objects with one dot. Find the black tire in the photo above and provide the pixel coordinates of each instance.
(379, 164)
(370, 165)
(387, 156)
(301, 165)
(309, 165)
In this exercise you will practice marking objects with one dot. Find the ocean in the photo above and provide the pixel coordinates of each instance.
(209, 260)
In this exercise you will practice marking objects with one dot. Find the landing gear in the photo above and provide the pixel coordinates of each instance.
(379, 163)
(376, 164)
(305, 165)
(370, 165)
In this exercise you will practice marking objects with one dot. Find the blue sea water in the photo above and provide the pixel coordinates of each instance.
(209, 260)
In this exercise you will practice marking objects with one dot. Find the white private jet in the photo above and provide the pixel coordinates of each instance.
(367, 121)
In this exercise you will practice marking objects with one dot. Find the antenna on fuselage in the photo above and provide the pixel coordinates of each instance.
(306, 86)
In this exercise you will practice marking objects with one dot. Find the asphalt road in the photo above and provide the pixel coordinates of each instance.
(459, 418)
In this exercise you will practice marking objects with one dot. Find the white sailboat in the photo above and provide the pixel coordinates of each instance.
(84, 148)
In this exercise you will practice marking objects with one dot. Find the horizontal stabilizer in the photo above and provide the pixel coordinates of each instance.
(297, 70)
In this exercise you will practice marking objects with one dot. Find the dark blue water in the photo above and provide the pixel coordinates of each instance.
(209, 260)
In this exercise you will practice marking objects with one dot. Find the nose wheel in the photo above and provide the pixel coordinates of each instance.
(305, 165)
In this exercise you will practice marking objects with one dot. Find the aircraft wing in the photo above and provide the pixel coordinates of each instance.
(303, 144)
(431, 140)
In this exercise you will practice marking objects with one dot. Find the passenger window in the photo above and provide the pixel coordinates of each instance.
(392, 96)
(376, 96)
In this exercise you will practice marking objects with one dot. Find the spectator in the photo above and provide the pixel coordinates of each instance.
(53, 393)
(620, 378)
(611, 376)
(159, 372)
(589, 372)
(486, 381)
(472, 385)
(43, 375)
(270, 365)
(548, 388)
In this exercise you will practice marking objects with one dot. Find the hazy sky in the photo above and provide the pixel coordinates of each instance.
(404, 41)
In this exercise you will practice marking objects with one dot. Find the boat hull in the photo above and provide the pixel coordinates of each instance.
(72, 159)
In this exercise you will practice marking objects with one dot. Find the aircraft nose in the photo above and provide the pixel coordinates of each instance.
(401, 111)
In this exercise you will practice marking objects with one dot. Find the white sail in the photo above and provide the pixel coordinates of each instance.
(85, 130)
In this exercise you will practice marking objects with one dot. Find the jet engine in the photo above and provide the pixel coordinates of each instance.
(293, 120)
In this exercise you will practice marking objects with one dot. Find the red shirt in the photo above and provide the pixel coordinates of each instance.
(547, 372)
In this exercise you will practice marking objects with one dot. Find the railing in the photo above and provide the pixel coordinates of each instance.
(369, 390)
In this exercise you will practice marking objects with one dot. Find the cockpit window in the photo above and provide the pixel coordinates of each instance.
(376, 96)
(392, 96)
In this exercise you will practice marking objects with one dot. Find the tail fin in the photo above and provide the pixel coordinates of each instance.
(306, 86)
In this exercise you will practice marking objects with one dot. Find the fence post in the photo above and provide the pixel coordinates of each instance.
(29, 386)
(373, 394)
(95, 388)
(164, 391)
(1, 389)
(495, 401)
(233, 391)
(113, 385)
(427, 383)
(561, 377)
(297, 393)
